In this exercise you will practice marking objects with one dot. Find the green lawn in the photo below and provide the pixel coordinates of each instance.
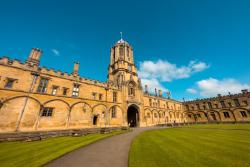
(38, 153)
(193, 146)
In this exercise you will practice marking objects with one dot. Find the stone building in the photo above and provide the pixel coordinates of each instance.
(229, 108)
(34, 98)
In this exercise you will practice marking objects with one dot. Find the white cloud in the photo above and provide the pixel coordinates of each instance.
(56, 52)
(154, 73)
(191, 90)
(211, 86)
(166, 72)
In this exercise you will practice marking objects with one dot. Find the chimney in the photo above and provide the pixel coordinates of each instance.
(76, 68)
(34, 57)
(160, 93)
(146, 88)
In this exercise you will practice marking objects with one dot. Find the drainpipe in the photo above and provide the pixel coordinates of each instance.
(35, 75)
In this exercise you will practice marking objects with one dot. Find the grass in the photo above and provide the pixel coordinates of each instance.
(193, 146)
(38, 153)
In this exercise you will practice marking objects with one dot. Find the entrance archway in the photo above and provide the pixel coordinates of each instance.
(133, 116)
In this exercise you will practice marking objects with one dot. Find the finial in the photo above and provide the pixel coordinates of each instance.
(121, 34)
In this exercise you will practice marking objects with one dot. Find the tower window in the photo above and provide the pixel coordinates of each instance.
(131, 90)
(75, 91)
(121, 51)
(114, 96)
(42, 85)
(129, 67)
(150, 102)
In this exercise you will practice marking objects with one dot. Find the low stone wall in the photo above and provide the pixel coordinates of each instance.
(33, 136)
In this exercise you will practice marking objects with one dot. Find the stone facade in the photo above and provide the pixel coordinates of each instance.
(34, 98)
(229, 108)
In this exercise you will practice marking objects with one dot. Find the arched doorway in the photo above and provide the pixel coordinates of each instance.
(133, 116)
(95, 119)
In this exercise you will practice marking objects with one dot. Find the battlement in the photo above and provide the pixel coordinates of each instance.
(151, 95)
(244, 93)
(52, 72)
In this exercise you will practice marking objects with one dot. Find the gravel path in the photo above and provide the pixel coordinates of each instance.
(109, 152)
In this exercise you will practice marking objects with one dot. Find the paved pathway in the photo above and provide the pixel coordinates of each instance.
(109, 152)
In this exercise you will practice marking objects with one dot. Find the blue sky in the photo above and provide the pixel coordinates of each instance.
(213, 34)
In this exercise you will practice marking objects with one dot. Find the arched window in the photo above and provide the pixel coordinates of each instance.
(131, 89)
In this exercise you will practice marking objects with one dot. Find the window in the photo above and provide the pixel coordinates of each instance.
(198, 115)
(131, 91)
(198, 106)
(187, 107)
(192, 108)
(230, 104)
(150, 102)
(94, 95)
(216, 105)
(148, 115)
(222, 104)
(75, 91)
(121, 51)
(114, 96)
(42, 85)
(226, 115)
(54, 90)
(210, 105)
(243, 113)
(244, 102)
(237, 103)
(190, 116)
(113, 112)
(155, 115)
(129, 67)
(128, 53)
(204, 107)
(9, 83)
(65, 91)
(159, 103)
(100, 96)
(47, 112)
(205, 115)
